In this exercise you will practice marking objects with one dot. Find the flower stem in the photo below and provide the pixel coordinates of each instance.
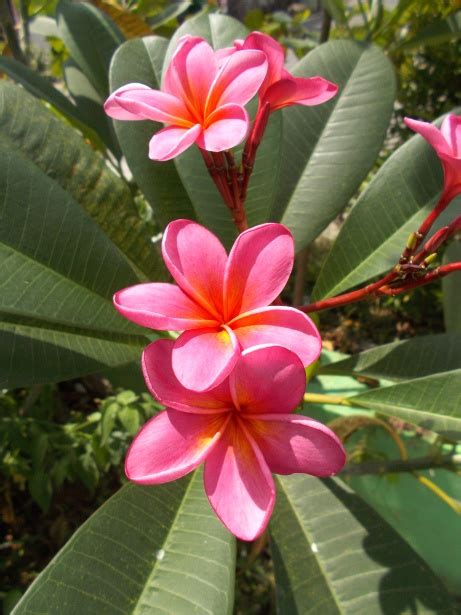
(251, 147)
(319, 398)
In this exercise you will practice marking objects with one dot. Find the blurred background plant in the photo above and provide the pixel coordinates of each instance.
(62, 446)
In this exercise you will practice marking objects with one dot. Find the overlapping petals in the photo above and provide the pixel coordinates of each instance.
(221, 303)
(447, 143)
(243, 430)
(202, 99)
(279, 88)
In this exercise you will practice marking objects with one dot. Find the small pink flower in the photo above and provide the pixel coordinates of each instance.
(447, 143)
(279, 87)
(243, 430)
(200, 101)
(220, 301)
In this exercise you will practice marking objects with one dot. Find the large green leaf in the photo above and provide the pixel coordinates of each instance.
(146, 550)
(451, 286)
(141, 61)
(404, 360)
(59, 270)
(328, 150)
(334, 555)
(91, 38)
(62, 154)
(394, 204)
(432, 402)
(221, 31)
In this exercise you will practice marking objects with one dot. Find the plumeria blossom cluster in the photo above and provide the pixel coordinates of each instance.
(204, 93)
(231, 380)
(233, 377)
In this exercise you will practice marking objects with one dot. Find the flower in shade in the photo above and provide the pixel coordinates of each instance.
(200, 101)
(220, 302)
(279, 88)
(243, 430)
(446, 141)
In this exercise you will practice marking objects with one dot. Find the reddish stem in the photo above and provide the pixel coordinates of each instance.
(426, 226)
(351, 297)
(437, 239)
(251, 146)
(436, 274)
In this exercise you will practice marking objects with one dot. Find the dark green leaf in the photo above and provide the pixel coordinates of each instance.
(60, 153)
(40, 489)
(149, 550)
(334, 555)
(141, 61)
(436, 33)
(40, 87)
(91, 38)
(394, 204)
(59, 270)
(328, 149)
(451, 286)
(90, 105)
(404, 360)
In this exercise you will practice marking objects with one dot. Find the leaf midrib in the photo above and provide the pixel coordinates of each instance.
(311, 541)
(158, 562)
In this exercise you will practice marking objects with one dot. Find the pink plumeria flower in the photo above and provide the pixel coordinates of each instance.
(447, 143)
(201, 102)
(221, 302)
(279, 88)
(244, 429)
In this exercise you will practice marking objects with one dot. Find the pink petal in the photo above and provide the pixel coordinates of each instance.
(293, 443)
(274, 53)
(451, 131)
(171, 445)
(258, 268)
(300, 91)
(226, 128)
(191, 72)
(282, 326)
(268, 379)
(172, 141)
(196, 259)
(161, 306)
(135, 101)
(203, 358)
(238, 80)
(431, 133)
(113, 108)
(164, 386)
(238, 483)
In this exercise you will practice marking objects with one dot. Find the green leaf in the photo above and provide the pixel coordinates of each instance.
(141, 61)
(59, 270)
(336, 9)
(90, 105)
(400, 196)
(451, 287)
(40, 489)
(146, 550)
(60, 153)
(432, 402)
(91, 38)
(40, 87)
(220, 31)
(327, 150)
(333, 554)
(436, 33)
(404, 360)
